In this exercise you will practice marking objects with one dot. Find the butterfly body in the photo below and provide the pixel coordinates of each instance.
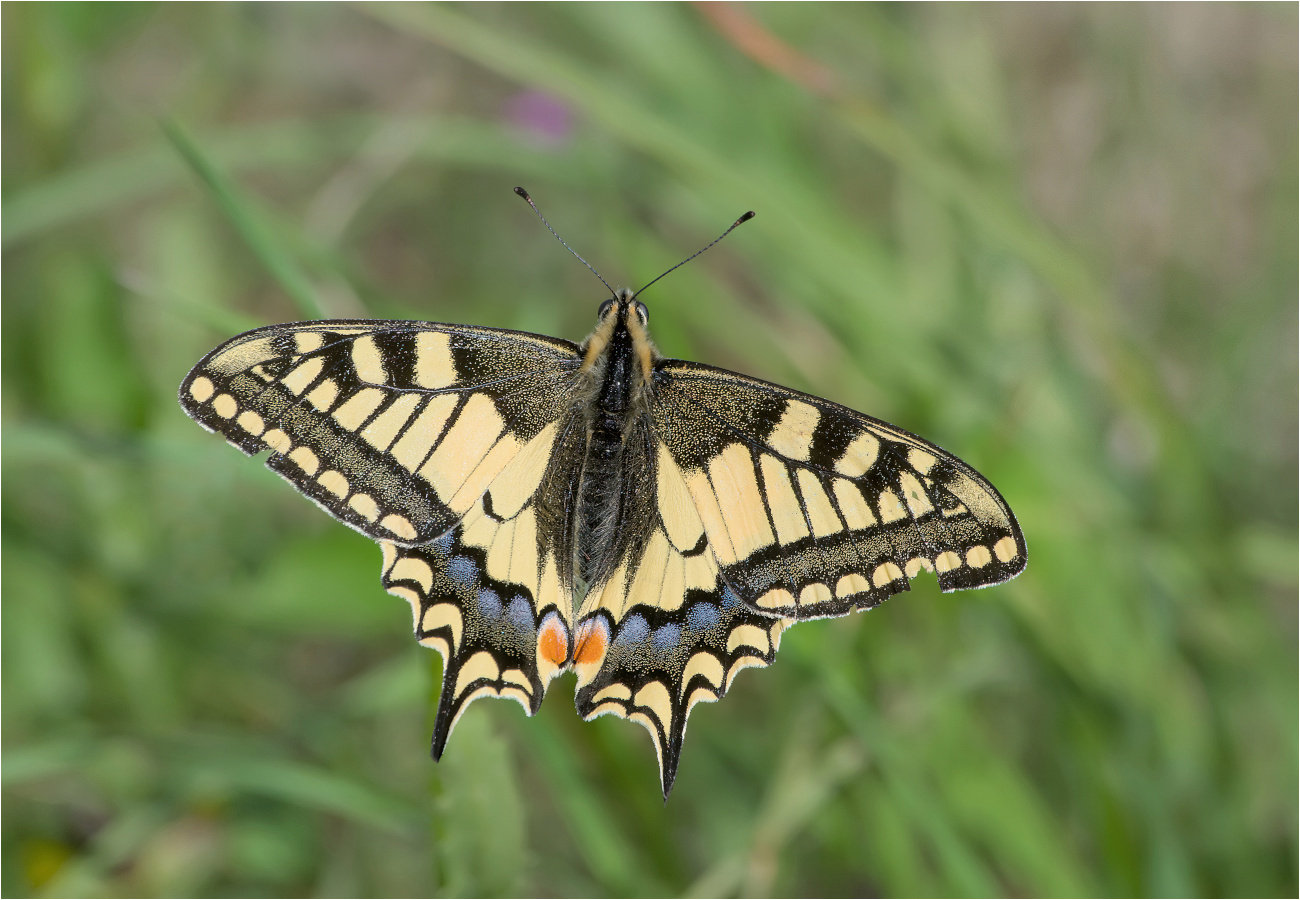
(651, 524)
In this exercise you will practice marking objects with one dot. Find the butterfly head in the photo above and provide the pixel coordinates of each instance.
(621, 330)
(622, 305)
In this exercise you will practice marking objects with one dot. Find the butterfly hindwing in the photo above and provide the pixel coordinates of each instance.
(394, 428)
(814, 509)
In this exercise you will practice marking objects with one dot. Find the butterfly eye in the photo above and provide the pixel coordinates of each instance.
(604, 310)
(642, 313)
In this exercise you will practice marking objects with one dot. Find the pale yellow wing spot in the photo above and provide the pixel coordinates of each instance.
(480, 665)
(748, 636)
(323, 395)
(920, 460)
(408, 568)
(615, 691)
(776, 598)
(225, 406)
(859, 456)
(917, 500)
(1005, 550)
(885, 573)
(978, 557)
(307, 341)
(414, 445)
(251, 422)
(400, 526)
(821, 515)
(655, 697)
(385, 427)
(916, 564)
(365, 506)
(335, 482)
(434, 366)
(676, 508)
(278, 441)
(360, 406)
(814, 593)
(891, 510)
(368, 361)
(705, 664)
(303, 375)
(304, 459)
(201, 389)
(851, 584)
(787, 515)
(444, 615)
(736, 487)
(946, 561)
(792, 436)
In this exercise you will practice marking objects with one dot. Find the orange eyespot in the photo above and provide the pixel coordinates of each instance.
(593, 637)
(553, 641)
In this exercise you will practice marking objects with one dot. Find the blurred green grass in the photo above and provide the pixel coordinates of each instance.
(1060, 241)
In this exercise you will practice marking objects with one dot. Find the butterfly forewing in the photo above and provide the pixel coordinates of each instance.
(395, 428)
(813, 509)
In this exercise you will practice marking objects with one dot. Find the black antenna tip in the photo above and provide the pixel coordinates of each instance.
(746, 217)
(523, 193)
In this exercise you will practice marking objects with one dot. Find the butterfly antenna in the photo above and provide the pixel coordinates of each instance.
(745, 218)
(523, 193)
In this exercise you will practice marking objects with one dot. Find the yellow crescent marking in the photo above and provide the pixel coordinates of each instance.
(444, 615)
(851, 584)
(885, 573)
(480, 665)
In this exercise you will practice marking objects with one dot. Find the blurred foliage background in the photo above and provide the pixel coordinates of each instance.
(1059, 240)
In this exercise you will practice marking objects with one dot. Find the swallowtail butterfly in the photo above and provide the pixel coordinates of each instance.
(649, 523)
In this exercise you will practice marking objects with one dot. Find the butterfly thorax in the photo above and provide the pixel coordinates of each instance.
(616, 382)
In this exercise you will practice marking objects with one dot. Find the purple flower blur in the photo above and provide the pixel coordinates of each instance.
(542, 117)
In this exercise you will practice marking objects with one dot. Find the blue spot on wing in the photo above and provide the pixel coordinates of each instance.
(634, 630)
(520, 613)
(462, 570)
(666, 637)
(489, 604)
(702, 616)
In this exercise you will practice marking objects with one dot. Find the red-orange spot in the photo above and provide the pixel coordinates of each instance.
(553, 641)
(593, 636)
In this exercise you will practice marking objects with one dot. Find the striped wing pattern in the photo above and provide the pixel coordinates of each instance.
(746, 507)
(677, 633)
(815, 510)
(395, 428)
